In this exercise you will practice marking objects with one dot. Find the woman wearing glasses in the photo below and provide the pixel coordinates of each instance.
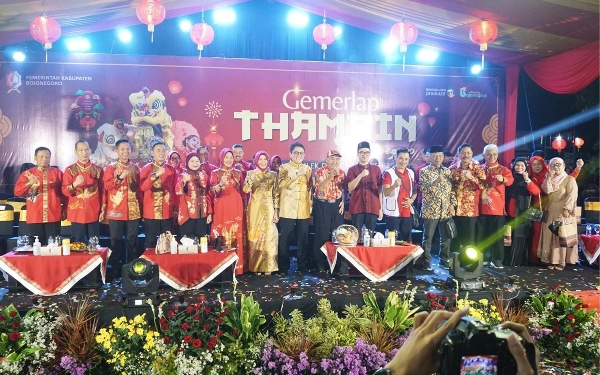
(561, 190)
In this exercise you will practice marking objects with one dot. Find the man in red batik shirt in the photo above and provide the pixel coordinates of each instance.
(41, 187)
(83, 186)
(491, 219)
(122, 206)
(157, 182)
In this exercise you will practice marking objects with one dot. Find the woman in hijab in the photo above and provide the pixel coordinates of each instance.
(537, 174)
(228, 210)
(261, 216)
(174, 160)
(561, 190)
(275, 163)
(195, 208)
(518, 196)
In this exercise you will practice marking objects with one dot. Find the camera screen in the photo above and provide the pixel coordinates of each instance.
(479, 365)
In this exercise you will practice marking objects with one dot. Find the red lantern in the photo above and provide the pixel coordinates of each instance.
(324, 34)
(578, 142)
(559, 144)
(175, 87)
(404, 33)
(202, 34)
(423, 109)
(150, 12)
(483, 33)
(182, 101)
(45, 30)
(213, 140)
(432, 121)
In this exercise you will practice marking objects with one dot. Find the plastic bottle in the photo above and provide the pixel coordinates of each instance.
(173, 245)
(366, 238)
(392, 238)
(37, 247)
(204, 244)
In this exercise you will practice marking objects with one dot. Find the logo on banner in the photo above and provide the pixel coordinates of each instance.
(450, 92)
(13, 81)
(471, 94)
(430, 91)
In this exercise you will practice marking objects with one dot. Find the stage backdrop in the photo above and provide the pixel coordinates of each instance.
(264, 105)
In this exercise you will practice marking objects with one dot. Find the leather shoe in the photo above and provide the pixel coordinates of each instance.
(427, 267)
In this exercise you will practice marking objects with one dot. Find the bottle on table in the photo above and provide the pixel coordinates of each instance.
(366, 236)
(37, 247)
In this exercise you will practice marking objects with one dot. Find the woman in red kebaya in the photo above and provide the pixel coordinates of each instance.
(228, 210)
(195, 208)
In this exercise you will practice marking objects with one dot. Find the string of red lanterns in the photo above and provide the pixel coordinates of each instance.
(150, 12)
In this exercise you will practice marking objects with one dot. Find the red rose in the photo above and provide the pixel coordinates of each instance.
(219, 321)
(164, 327)
(234, 332)
(190, 309)
(227, 310)
(570, 337)
(434, 304)
(213, 341)
(2, 318)
(185, 326)
(219, 333)
(197, 343)
(210, 347)
(166, 339)
(206, 327)
(429, 295)
(171, 313)
(163, 320)
(176, 308)
(196, 316)
(12, 314)
(555, 329)
(15, 324)
(570, 317)
(14, 336)
(452, 308)
(187, 338)
(573, 325)
(441, 307)
(207, 310)
(223, 301)
(585, 305)
(201, 298)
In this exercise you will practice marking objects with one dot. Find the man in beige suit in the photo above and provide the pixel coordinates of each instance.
(295, 202)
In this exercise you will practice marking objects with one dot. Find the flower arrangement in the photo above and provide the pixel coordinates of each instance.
(131, 346)
(564, 328)
(25, 342)
(482, 310)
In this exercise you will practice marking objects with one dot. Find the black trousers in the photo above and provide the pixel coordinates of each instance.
(194, 228)
(122, 251)
(429, 231)
(491, 229)
(287, 229)
(327, 218)
(154, 228)
(465, 235)
(401, 225)
(369, 220)
(43, 231)
(83, 232)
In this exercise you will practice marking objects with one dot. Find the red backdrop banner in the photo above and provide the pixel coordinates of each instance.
(264, 105)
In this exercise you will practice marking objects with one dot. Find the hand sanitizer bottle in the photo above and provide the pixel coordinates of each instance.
(37, 247)
(173, 245)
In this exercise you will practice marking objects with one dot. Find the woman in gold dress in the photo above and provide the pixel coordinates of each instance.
(261, 216)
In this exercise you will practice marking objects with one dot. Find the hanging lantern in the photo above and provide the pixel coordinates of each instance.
(213, 140)
(45, 30)
(404, 33)
(324, 34)
(150, 12)
(559, 144)
(483, 33)
(202, 34)
(578, 142)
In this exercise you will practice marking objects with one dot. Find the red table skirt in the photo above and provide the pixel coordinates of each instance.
(590, 246)
(375, 263)
(51, 275)
(191, 271)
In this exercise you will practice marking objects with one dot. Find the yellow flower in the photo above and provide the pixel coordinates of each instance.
(139, 319)
(139, 331)
(484, 302)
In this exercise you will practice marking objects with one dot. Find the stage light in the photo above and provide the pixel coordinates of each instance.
(185, 26)
(337, 30)
(140, 282)
(78, 44)
(297, 18)
(475, 69)
(466, 266)
(224, 16)
(389, 46)
(124, 35)
(18, 56)
(427, 56)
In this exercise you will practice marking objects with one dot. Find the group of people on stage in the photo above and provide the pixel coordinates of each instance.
(255, 207)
